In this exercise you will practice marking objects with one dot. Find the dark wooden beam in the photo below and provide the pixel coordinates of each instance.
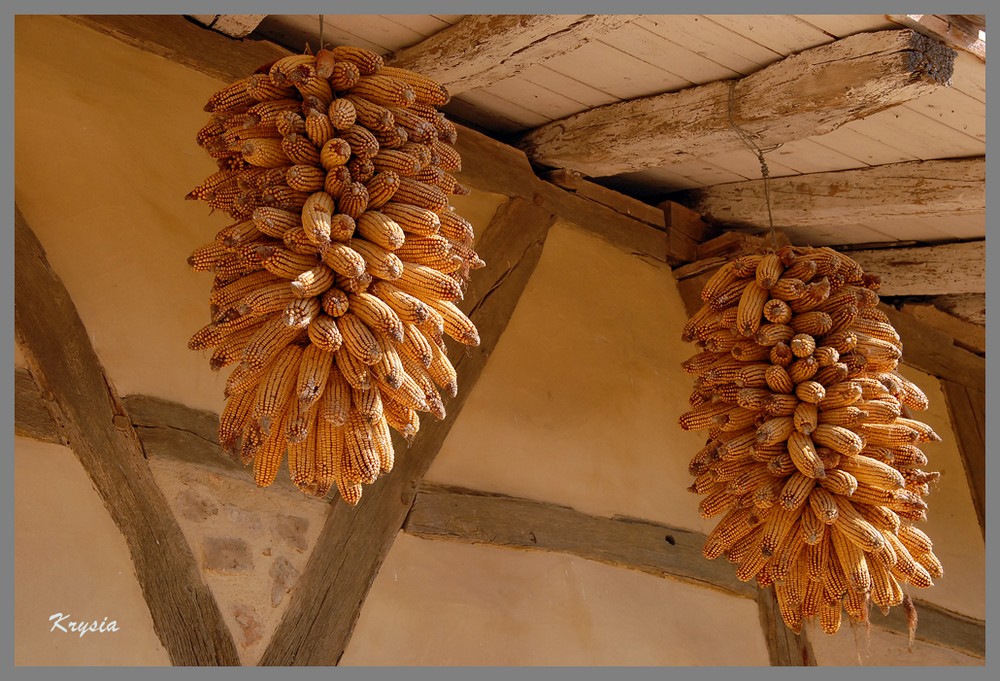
(785, 648)
(916, 189)
(91, 420)
(927, 270)
(232, 25)
(185, 42)
(353, 543)
(475, 517)
(968, 336)
(967, 409)
(441, 512)
(482, 49)
(803, 95)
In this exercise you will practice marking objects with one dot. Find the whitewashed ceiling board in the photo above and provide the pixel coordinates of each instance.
(470, 113)
(705, 37)
(841, 25)
(294, 31)
(868, 150)
(955, 109)
(835, 235)
(905, 129)
(376, 29)
(525, 118)
(705, 173)
(697, 66)
(611, 70)
(682, 64)
(809, 156)
(576, 90)
(784, 34)
(969, 76)
(537, 98)
(938, 229)
(424, 24)
(744, 162)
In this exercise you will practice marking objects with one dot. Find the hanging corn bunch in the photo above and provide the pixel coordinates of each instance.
(812, 458)
(336, 282)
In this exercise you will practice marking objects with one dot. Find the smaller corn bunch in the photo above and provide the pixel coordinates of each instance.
(336, 284)
(813, 459)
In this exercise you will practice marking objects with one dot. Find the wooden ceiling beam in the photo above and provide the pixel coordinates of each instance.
(927, 270)
(960, 31)
(482, 49)
(232, 25)
(804, 95)
(914, 189)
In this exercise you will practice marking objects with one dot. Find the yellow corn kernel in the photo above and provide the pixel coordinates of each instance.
(839, 395)
(839, 481)
(805, 417)
(804, 456)
(343, 259)
(796, 490)
(377, 315)
(267, 459)
(379, 262)
(427, 283)
(276, 387)
(335, 400)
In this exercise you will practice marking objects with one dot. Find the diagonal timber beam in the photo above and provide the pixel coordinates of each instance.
(354, 542)
(915, 189)
(482, 49)
(88, 416)
(804, 95)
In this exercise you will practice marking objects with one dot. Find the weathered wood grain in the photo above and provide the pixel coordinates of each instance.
(626, 205)
(481, 518)
(232, 25)
(960, 31)
(353, 543)
(927, 270)
(969, 336)
(967, 410)
(31, 417)
(92, 421)
(785, 648)
(482, 49)
(917, 189)
(933, 351)
(803, 95)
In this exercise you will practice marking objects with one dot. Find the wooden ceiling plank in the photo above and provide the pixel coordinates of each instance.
(940, 188)
(959, 111)
(702, 36)
(571, 88)
(489, 101)
(93, 422)
(843, 25)
(924, 137)
(618, 73)
(484, 48)
(639, 40)
(802, 96)
(539, 99)
(784, 33)
(867, 150)
(375, 28)
(808, 156)
(927, 270)
(970, 76)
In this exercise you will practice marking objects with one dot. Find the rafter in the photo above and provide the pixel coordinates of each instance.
(916, 189)
(927, 270)
(804, 95)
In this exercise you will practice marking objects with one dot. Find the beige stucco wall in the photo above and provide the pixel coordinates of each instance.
(70, 558)
(439, 602)
(579, 402)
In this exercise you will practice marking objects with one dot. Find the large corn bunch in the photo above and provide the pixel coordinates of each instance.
(336, 282)
(812, 457)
